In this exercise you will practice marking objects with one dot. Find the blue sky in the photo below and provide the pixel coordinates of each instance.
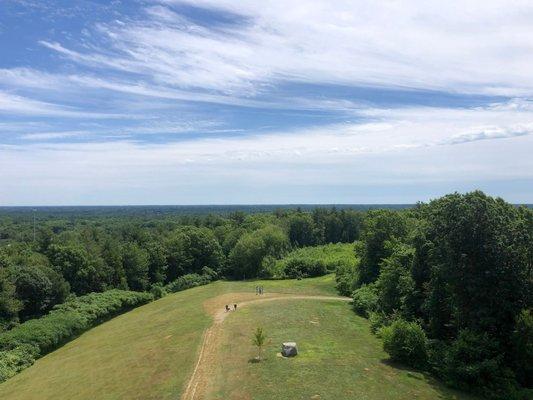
(216, 102)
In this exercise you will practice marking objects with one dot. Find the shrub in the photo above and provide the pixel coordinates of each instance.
(437, 351)
(210, 273)
(379, 320)
(158, 291)
(473, 362)
(365, 300)
(346, 278)
(14, 361)
(315, 261)
(405, 342)
(269, 269)
(186, 282)
(20, 346)
(304, 268)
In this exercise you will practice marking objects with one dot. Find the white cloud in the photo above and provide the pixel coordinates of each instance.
(43, 136)
(491, 132)
(76, 83)
(164, 61)
(396, 151)
(475, 47)
(19, 105)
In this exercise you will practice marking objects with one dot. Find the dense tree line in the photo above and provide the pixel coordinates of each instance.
(76, 256)
(448, 285)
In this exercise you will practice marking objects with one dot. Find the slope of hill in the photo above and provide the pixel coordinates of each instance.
(151, 352)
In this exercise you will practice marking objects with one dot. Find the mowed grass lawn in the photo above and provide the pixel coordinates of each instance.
(147, 353)
(339, 357)
(150, 352)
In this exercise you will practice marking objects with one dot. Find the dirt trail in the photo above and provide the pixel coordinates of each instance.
(203, 370)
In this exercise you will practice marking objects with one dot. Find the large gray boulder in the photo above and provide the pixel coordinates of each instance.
(289, 349)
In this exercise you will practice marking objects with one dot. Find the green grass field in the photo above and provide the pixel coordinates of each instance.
(339, 357)
(150, 352)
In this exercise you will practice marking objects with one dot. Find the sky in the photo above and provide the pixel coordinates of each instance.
(241, 102)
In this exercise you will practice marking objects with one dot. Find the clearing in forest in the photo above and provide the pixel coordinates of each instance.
(153, 351)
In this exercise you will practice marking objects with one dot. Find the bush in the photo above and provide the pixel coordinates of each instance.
(14, 361)
(210, 273)
(346, 278)
(158, 291)
(20, 346)
(379, 320)
(315, 261)
(304, 268)
(473, 362)
(365, 300)
(437, 351)
(405, 342)
(186, 282)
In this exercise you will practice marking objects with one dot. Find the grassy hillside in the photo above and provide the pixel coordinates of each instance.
(147, 353)
(150, 352)
(339, 358)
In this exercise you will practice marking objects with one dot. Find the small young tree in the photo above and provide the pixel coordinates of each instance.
(259, 340)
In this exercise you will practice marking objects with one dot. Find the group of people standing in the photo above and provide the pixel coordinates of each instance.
(258, 290)
(228, 308)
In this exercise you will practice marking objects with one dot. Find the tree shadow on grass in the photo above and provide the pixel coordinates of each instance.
(444, 392)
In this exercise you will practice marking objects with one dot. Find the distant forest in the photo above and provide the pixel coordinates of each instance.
(46, 212)
(448, 284)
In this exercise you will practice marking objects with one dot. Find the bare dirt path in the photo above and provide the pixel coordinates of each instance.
(197, 385)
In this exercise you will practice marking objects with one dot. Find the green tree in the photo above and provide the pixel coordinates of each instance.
(379, 228)
(39, 288)
(157, 262)
(351, 225)
(478, 248)
(190, 249)
(9, 304)
(231, 238)
(395, 286)
(136, 266)
(112, 256)
(522, 348)
(84, 273)
(301, 230)
(333, 228)
(247, 256)
(259, 340)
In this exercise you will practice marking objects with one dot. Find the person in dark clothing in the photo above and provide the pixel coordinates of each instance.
(235, 307)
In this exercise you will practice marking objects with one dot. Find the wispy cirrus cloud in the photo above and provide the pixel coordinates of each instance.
(156, 96)
(14, 104)
(363, 43)
(43, 136)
